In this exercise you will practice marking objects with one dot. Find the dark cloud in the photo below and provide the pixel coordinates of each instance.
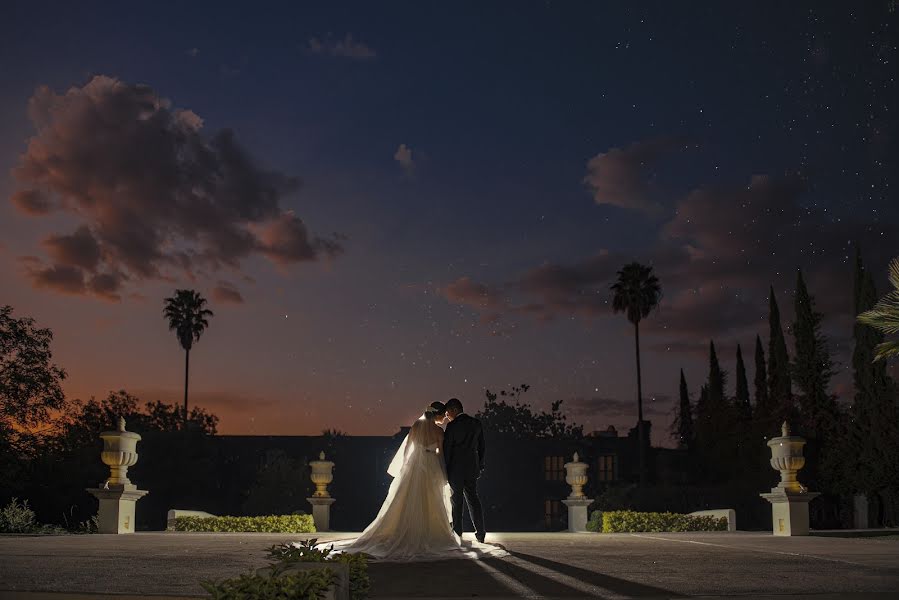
(622, 176)
(465, 291)
(716, 257)
(78, 249)
(31, 202)
(226, 293)
(153, 192)
(347, 47)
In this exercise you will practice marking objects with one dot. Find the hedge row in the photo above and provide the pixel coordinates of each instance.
(629, 521)
(268, 524)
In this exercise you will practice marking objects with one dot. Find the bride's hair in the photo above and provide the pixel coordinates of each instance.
(436, 409)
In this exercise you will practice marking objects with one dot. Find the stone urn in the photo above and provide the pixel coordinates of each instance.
(577, 502)
(119, 453)
(322, 475)
(786, 457)
(576, 476)
(117, 495)
(789, 499)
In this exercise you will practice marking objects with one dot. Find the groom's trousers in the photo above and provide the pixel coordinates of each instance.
(466, 489)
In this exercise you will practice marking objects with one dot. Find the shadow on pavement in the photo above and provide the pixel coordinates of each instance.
(612, 584)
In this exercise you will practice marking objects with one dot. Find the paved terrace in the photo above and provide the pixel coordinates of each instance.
(541, 565)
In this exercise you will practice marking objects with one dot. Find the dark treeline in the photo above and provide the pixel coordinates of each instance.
(853, 444)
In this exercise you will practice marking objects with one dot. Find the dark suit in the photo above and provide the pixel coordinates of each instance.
(463, 451)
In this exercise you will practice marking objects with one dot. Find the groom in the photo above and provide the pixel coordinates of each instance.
(463, 451)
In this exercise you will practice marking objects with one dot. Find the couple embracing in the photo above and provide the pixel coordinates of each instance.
(435, 473)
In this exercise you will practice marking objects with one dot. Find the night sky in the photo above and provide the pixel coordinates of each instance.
(393, 203)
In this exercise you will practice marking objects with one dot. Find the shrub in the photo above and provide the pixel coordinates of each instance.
(627, 521)
(308, 551)
(304, 585)
(595, 522)
(269, 524)
(17, 518)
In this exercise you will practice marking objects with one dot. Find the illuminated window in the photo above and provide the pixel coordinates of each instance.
(554, 468)
(551, 511)
(606, 468)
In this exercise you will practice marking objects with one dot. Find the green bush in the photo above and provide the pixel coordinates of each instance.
(628, 521)
(301, 585)
(308, 551)
(269, 524)
(19, 518)
(595, 522)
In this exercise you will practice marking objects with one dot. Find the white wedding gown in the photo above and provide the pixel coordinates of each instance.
(414, 521)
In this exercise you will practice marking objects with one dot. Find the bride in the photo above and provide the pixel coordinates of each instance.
(414, 521)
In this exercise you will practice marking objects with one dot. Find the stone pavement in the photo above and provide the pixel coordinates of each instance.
(541, 565)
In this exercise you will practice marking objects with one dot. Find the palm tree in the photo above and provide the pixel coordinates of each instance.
(637, 293)
(186, 314)
(885, 316)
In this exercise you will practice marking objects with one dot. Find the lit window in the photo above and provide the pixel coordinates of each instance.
(554, 468)
(606, 468)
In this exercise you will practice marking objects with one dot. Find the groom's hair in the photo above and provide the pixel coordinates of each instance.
(454, 404)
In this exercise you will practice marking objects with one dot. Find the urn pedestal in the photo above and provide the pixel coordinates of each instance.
(321, 500)
(577, 502)
(789, 499)
(117, 495)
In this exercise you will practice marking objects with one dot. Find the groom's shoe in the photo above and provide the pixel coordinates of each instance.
(480, 537)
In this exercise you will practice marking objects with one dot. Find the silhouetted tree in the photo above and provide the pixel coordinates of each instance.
(636, 293)
(518, 419)
(683, 420)
(30, 383)
(884, 316)
(761, 380)
(779, 385)
(742, 402)
(812, 367)
(714, 423)
(871, 463)
(187, 315)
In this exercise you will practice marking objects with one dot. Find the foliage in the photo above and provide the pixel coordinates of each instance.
(742, 402)
(761, 379)
(519, 419)
(715, 424)
(780, 393)
(19, 518)
(636, 293)
(682, 427)
(884, 316)
(30, 383)
(309, 551)
(187, 315)
(595, 522)
(267, 524)
(273, 585)
(870, 430)
(628, 521)
(812, 366)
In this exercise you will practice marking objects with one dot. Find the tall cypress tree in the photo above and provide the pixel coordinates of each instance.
(742, 402)
(716, 397)
(683, 422)
(779, 385)
(872, 429)
(812, 367)
(761, 380)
